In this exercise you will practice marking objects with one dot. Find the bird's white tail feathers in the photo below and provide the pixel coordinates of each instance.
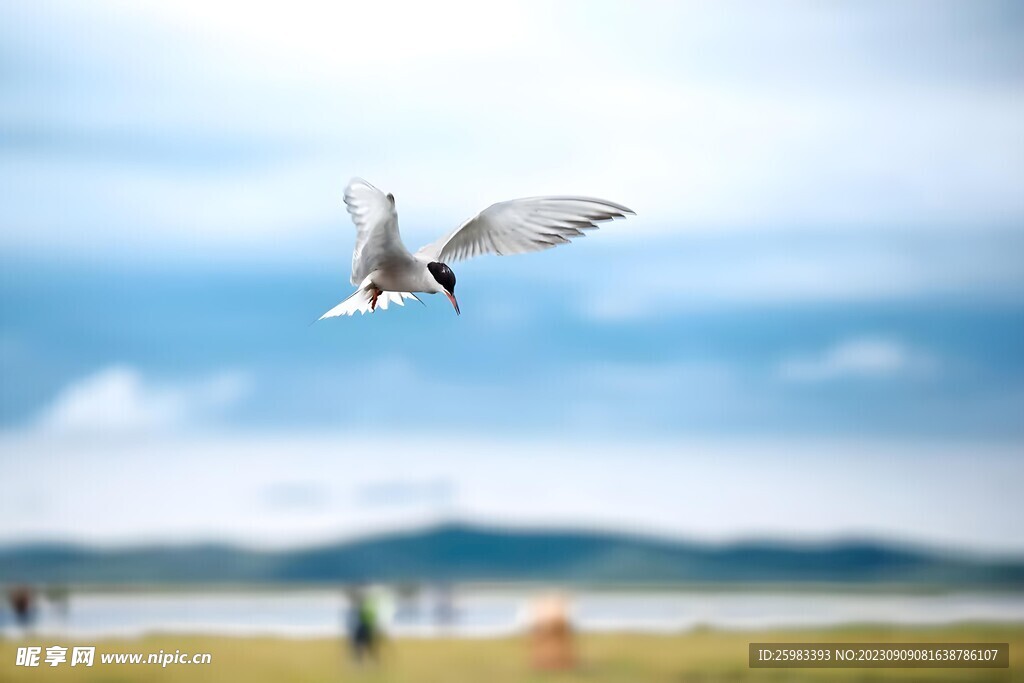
(359, 301)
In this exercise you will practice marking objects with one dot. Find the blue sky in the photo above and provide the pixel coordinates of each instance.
(825, 260)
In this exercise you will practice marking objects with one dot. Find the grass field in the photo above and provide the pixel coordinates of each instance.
(701, 656)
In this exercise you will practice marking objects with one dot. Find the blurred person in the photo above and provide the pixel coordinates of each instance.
(363, 628)
(551, 639)
(23, 604)
(407, 605)
(444, 606)
(59, 598)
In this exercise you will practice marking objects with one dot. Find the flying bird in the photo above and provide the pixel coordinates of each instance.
(386, 272)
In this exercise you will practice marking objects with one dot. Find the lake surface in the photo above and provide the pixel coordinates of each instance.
(486, 612)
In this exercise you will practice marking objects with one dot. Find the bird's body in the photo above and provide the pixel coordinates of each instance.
(404, 275)
(386, 272)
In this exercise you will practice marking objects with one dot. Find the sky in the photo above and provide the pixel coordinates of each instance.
(821, 288)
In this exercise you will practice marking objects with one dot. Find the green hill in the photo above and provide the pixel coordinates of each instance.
(470, 553)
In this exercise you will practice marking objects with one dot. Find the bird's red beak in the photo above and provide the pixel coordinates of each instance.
(451, 297)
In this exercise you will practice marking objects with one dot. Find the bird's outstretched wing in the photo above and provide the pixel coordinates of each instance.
(522, 225)
(377, 237)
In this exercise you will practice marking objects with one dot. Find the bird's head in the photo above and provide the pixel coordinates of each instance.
(445, 279)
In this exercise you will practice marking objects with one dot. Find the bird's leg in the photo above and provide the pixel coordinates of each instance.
(373, 301)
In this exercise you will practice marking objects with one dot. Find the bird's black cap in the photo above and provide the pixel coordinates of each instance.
(443, 274)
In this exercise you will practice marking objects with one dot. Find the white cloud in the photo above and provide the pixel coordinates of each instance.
(319, 35)
(861, 357)
(118, 400)
(694, 115)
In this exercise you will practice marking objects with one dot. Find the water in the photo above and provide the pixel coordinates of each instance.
(488, 612)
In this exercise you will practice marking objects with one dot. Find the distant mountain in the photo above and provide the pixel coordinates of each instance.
(469, 553)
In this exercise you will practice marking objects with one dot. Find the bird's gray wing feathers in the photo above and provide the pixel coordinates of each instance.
(522, 225)
(377, 236)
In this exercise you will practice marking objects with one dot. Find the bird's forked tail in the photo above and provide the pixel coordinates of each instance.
(361, 301)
